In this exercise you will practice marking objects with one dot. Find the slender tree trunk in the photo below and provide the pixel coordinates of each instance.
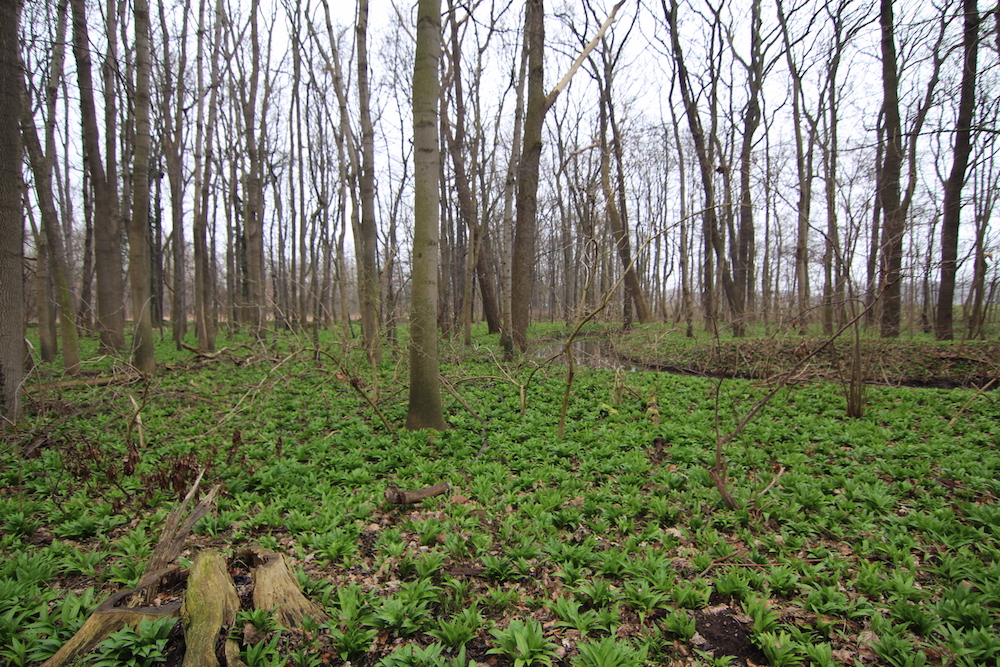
(107, 234)
(943, 329)
(367, 250)
(712, 240)
(425, 395)
(138, 233)
(633, 290)
(253, 224)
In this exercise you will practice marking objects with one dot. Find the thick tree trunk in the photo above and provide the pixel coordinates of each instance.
(424, 409)
(743, 266)
(943, 329)
(11, 220)
(894, 222)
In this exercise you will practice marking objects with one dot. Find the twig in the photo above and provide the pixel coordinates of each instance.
(969, 402)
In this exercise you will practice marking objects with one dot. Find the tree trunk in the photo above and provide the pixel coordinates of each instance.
(478, 243)
(11, 221)
(366, 249)
(953, 186)
(712, 240)
(138, 231)
(633, 290)
(525, 221)
(894, 221)
(253, 224)
(424, 409)
(107, 232)
(743, 266)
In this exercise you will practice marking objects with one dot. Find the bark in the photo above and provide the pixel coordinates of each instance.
(42, 169)
(743, 267)
(525, 221)
(139, 270)
(209, 608)
(424, 409)
(107, 229)
(11, 220)
(275, 588)
(950, 222)
(396, 496)
(367, 251)
(253, 225)
(893, 224)
(109, 618)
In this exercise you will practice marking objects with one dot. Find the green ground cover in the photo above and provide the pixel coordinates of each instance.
(871, 541)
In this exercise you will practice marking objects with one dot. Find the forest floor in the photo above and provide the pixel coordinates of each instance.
(580, 528)
(900, 362)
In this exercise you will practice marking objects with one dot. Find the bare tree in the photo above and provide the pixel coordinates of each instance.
(711, 235)
(526, 223)
(173, 99)
(107, 227)
(42, 169)
(956, 180)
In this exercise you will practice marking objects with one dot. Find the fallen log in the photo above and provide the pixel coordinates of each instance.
(109, 618)
(395, 496)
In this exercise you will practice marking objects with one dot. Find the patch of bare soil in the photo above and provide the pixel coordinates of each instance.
(721, 633)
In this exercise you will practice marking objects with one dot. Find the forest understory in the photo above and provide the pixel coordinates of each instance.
(600, 541)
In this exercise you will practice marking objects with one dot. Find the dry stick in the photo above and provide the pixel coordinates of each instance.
(356, 385)
(969, 402)
(718, 473)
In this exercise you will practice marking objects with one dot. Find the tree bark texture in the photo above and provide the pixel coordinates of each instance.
(139, 269)
(11, 219)
(424, 409)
